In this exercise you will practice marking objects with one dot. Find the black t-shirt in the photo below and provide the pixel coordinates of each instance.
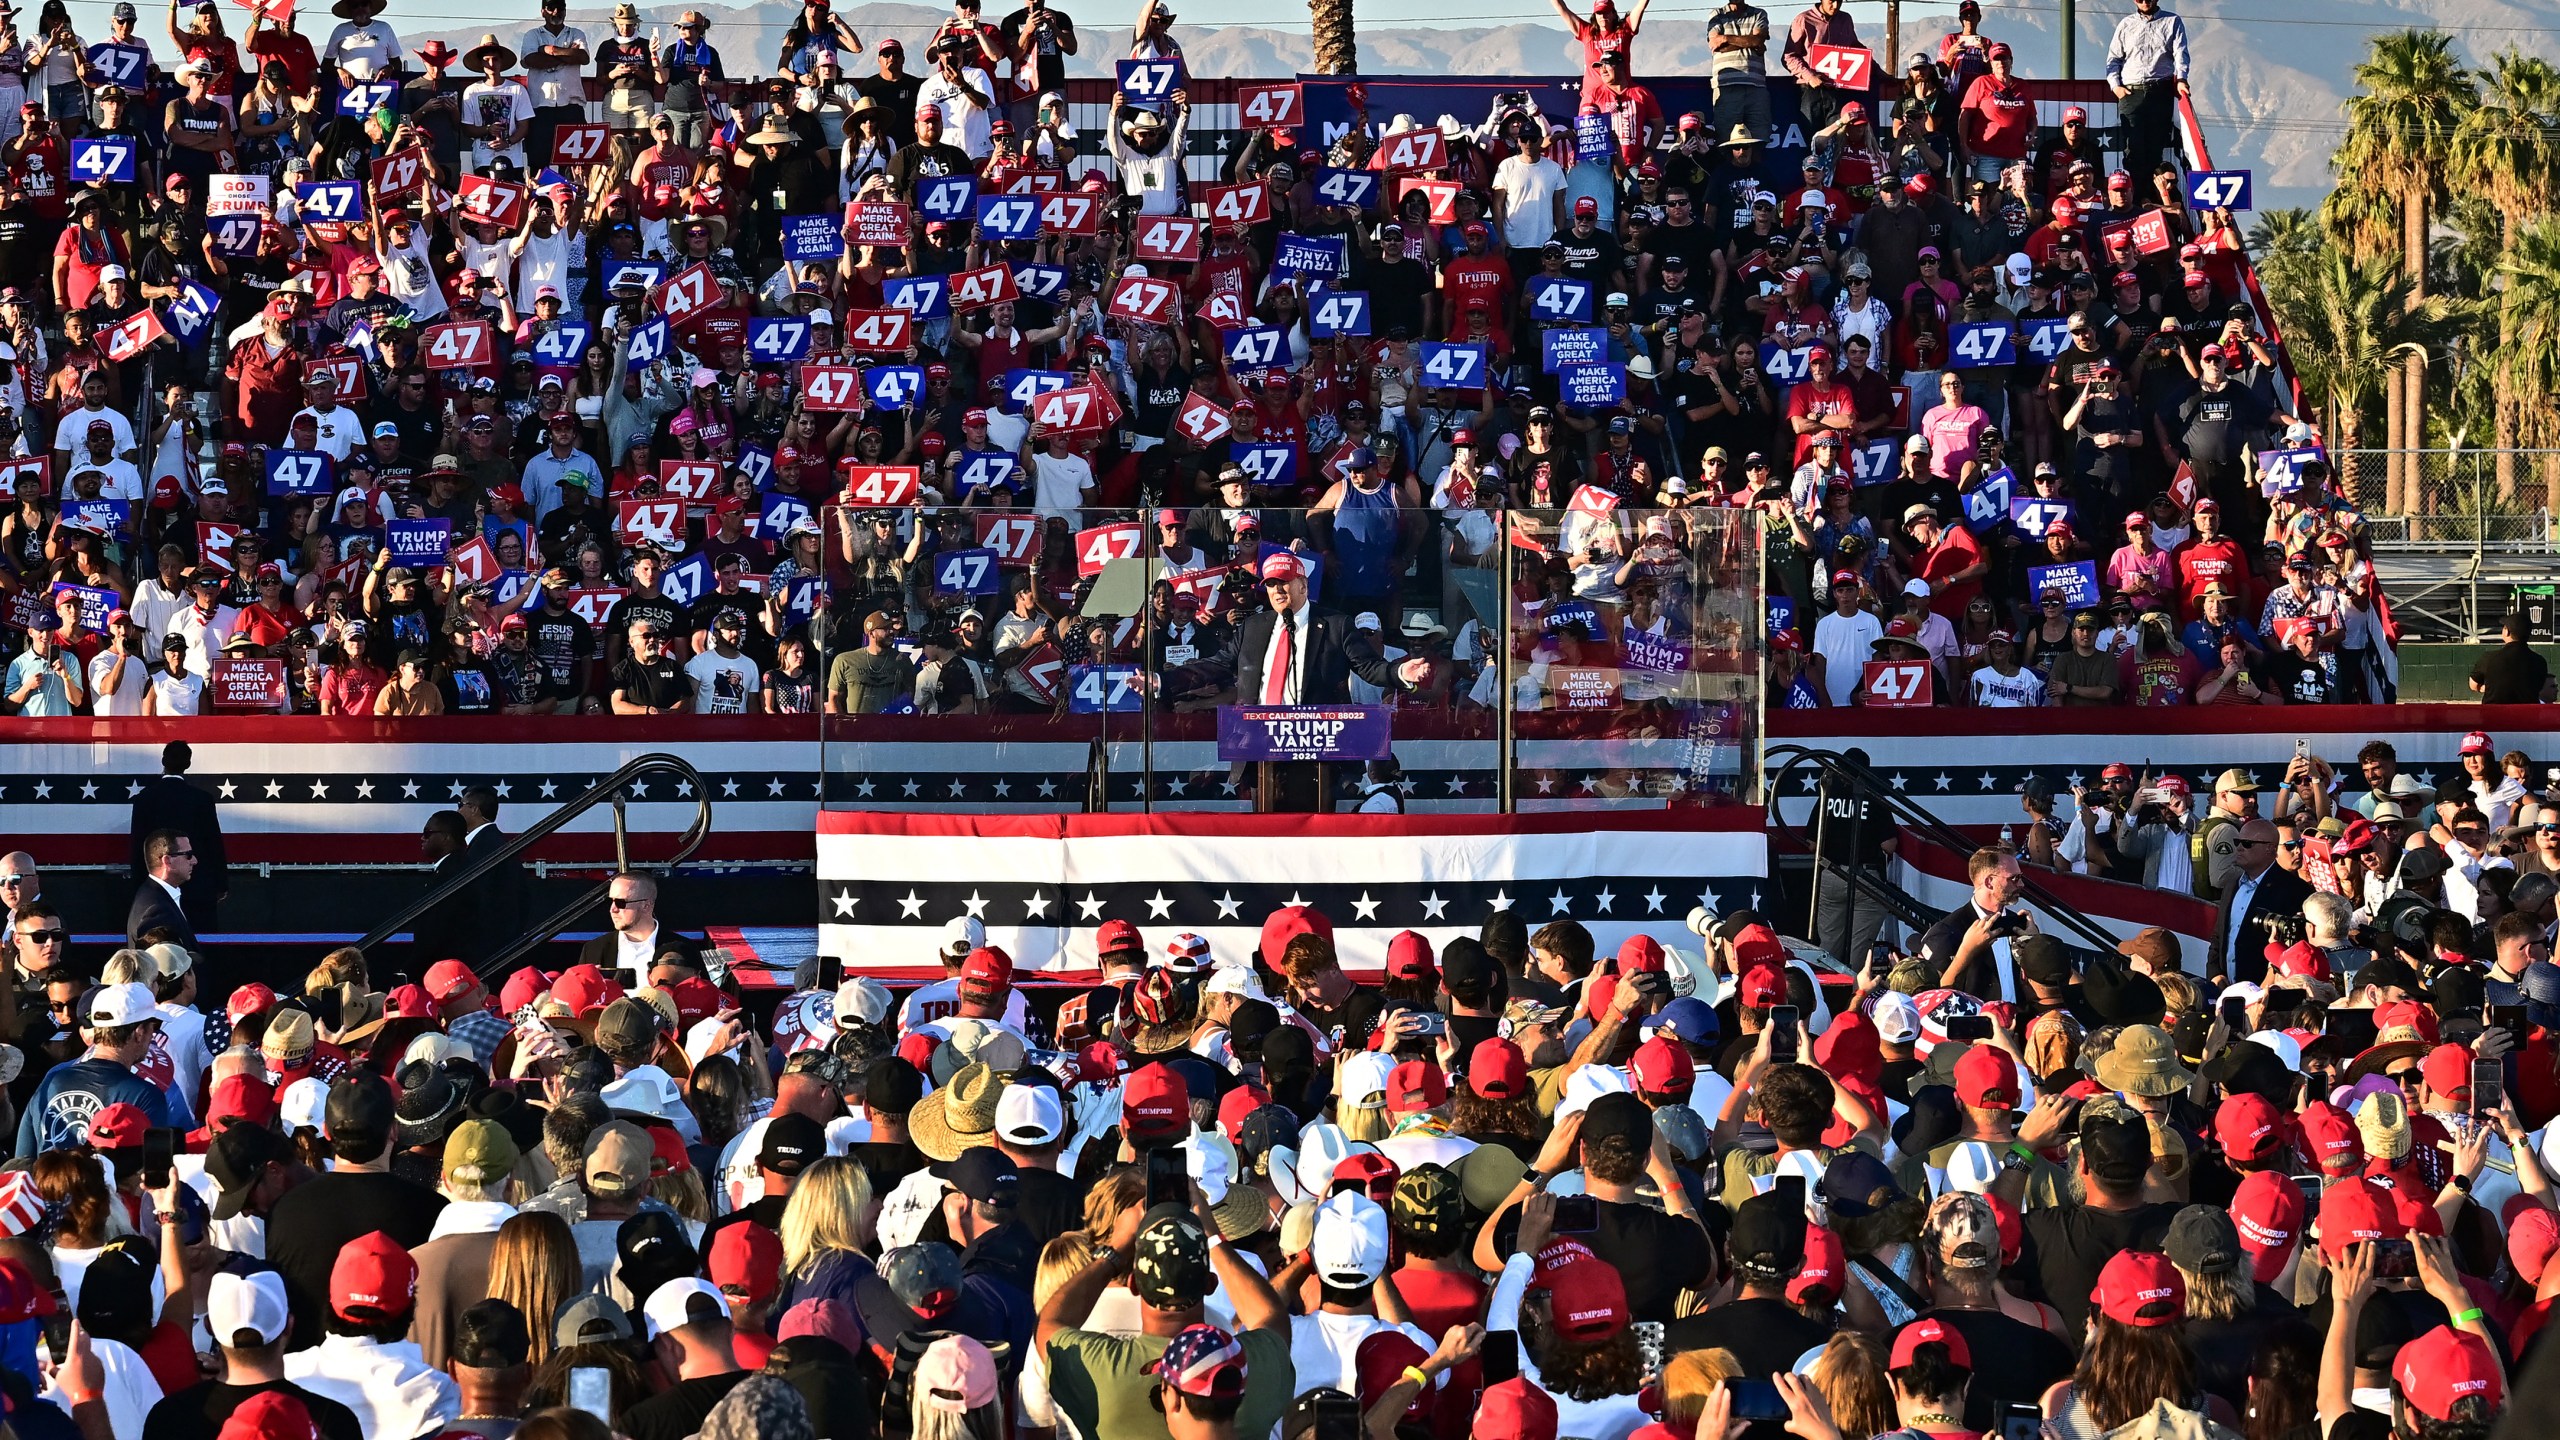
(2300, 681)
(678, 1411)
(1765, 1335)
(2214, 423)
(660, 684)
(1048, 1205)
(897, 101)
(1346, 1026)
(559, 643)
(2013, 1362)
(641, 606)
(2512, 674)
(322, 1216)
(2067, 1245)
(1658, 1255)
(197, 1412)
(1594, 257)
(887, 1164)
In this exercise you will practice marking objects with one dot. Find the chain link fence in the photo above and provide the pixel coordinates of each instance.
(2457, 501)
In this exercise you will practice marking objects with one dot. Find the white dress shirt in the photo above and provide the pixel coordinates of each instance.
(1293, 687)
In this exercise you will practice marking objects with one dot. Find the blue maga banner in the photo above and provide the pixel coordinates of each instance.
(812, 237)
(2077, 582)
(1304, 732)
(1315, 255)
(420, 542)
(1593, 387)
(1576, 345)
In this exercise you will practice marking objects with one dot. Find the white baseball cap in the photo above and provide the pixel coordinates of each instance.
(254, 1302)
(1030, 1115)
(304, 1105)
(865, 999)
(675, 1305)
(1588, 1084)
(1971, 1168)
(1236, 980)
(117, 1005)
(1350, 1247)
(1362, 1081)
(963, 934)
(1897, 1020)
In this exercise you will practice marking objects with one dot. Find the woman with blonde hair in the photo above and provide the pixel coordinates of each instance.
(826, 1234)
(534, 1266)
(1690, 1380)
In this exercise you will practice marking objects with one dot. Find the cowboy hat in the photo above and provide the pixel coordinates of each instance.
(360, 1013)
(772, 133)
(476, 57)
(437, 53)
(959, 1117)
(719, 226)
(356, 9)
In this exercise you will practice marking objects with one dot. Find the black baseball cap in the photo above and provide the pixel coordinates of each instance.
(792, 1143)
(1467, 968)
(1768, 1236)
(239, 1154)
(360, 1114)
(1171, 1269)
(892, 1087)
(1618, 1115)
(2041, 959)
(984, 1174)
(2116, 1147)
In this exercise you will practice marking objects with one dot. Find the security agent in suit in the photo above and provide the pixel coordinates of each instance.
(637, 937)
(1299, 653)
(170, 861)
(2258, 891)
(173, 802)
(453, 930)
(501, 892)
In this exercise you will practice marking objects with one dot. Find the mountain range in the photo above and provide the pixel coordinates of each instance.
(2268, 86)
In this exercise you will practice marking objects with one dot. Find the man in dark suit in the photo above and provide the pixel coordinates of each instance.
(637, 938)
(170, 861)
(2258, 891)
(452, 930)
(1299, 653)
(500, 893)
(172, 802)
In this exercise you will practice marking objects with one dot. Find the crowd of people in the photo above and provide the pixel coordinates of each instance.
(333, 371)
(1518, 1186)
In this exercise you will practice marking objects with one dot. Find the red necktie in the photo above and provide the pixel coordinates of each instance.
(1275, 686)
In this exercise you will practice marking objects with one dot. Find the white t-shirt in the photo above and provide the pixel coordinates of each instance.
(71, 433)
(1324, 1348)
(341, 430)
(177, 694)
(1059, 482)
(1845, 643)
(964, 121)
(126, 699)
(121, 482)
(722, 685)
(1995, 691)
(1529, 200)
(364, 49)
(941, 999)
(507, 100)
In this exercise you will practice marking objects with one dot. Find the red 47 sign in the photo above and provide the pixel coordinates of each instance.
(1039, 668)
(686, 291)
(1014, 536)
(1166, 237)
(1068, 411)
(30, 476)
(1203, 419)
(1238, 205)
(398, 173)
(1413, 150)
(500, 202)
(473, 562)
(975, 289)
(135, 334)
(1900, 684)
(1201, 585)
(831, 387)
(878, 485)
(458, 345)
(1443, 195)
(877, 332)
(1144, 297)
(592, 603)
(1224, 310)
(1103, 544)
(1846, 66)
(1268, 107)
(1034, 182)
(580, 144)
(651, 522)
(347, 370)
(1071, 213)
(213, 542)
(688, 479)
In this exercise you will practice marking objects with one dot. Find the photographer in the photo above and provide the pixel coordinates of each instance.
(1039, 39)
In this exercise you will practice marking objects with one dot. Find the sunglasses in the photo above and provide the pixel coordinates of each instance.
(618, 904)
(43, 937)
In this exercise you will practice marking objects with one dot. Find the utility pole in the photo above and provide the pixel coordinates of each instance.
(1891, 62)
(2070, 39)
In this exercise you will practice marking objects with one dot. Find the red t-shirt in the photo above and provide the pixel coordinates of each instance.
(1808, 400)
(1468, 279)
(2199, 563)
(1439, 1299)
(290, 49)
(1998, 120)
(1955, 551)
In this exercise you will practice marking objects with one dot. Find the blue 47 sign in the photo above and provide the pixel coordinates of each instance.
(1338, 312)
(1149, 84)
(777, 339)
(298, 472)
(2033, 515)
(1456, 367)
(1257, 347)
(1104, 689)
(1977, 343)
(967, 572)
(2218, 190)
(108, 158)
(1559, 299)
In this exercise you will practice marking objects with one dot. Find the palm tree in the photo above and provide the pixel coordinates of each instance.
(2507, 155)
(2398, 148)
(1337, 37)
(2529, 340)
(2350, 322)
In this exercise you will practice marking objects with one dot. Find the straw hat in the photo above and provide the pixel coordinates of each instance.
(772, 132)
(477, 55)
(718, 224)
(959, 1117)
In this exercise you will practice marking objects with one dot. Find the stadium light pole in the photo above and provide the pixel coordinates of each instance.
(2070, 39)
